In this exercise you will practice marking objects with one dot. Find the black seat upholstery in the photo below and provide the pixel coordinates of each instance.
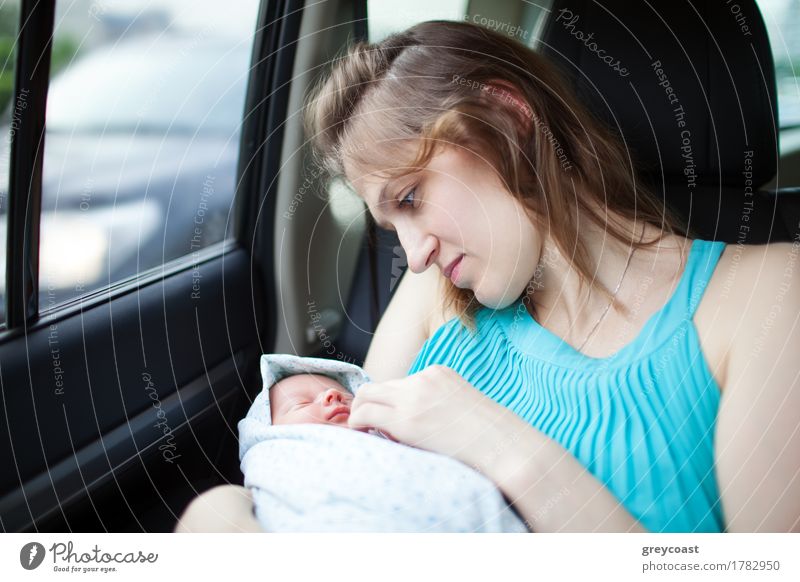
(690, 87)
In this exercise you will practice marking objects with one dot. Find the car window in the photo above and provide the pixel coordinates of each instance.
(144, 110)
(512, 17)
(782, 18)
(10, 118)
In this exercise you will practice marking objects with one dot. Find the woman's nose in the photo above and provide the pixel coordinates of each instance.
(420, 249)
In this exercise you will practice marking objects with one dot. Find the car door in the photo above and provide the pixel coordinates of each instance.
(138, 286)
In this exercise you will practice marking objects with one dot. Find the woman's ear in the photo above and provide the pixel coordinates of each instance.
(508, 94)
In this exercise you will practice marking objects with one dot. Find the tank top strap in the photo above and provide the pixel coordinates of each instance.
(700, 264)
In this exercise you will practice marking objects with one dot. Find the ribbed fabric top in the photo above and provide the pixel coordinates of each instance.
(641, 421)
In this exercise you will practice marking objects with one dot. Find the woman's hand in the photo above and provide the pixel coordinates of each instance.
(436, 409)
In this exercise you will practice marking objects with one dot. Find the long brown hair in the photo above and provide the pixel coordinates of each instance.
(433, 84)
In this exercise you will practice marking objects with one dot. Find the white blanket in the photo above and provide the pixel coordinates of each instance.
(324, 478)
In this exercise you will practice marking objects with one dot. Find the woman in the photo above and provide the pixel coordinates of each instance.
(560, 332)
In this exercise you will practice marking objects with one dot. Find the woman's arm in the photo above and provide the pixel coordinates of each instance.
(436, 409)
(404, 326)
(223, 509)
(548, 486)
(758, 425)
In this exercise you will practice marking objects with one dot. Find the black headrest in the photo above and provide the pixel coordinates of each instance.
(689, 84)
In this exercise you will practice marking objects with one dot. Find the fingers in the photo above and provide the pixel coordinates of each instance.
(380, 393)
(369, 415)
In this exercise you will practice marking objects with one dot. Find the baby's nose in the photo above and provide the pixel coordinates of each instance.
(333, 396)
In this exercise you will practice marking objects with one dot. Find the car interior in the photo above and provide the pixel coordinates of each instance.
(120, 401)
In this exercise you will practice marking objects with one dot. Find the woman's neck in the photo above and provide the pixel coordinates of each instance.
(561, 303)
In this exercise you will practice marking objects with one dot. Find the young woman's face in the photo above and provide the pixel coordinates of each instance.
(457, 216)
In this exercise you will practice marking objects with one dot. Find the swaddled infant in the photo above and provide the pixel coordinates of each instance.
(312, 399)
(309, 472)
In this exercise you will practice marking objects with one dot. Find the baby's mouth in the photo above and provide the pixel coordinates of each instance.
(339, 413)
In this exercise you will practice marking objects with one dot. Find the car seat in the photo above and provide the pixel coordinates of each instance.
(690, 88)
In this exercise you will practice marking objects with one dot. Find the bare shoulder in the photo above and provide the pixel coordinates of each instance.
(747, 284)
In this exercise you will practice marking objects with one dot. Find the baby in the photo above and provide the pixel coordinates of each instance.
(306, 474)
(313, 399)
(310, 399)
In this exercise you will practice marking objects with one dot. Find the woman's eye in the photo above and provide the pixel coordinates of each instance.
(408, 199)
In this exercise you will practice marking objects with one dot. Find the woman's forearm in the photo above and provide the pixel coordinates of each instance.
(548, 486)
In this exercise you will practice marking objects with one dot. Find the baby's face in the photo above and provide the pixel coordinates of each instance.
(309, 398)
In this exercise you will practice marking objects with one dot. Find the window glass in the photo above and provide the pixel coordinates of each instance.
(782, 18)
(143, 123)
(11, 116)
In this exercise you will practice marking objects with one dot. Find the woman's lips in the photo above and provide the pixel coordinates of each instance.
(455, 273)
(453, 270)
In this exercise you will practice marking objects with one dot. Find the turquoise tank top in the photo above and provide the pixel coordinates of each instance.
(641, 421)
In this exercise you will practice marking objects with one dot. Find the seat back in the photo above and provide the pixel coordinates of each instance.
(690, 88)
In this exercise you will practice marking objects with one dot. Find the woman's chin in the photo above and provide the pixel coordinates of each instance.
(496, 300)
